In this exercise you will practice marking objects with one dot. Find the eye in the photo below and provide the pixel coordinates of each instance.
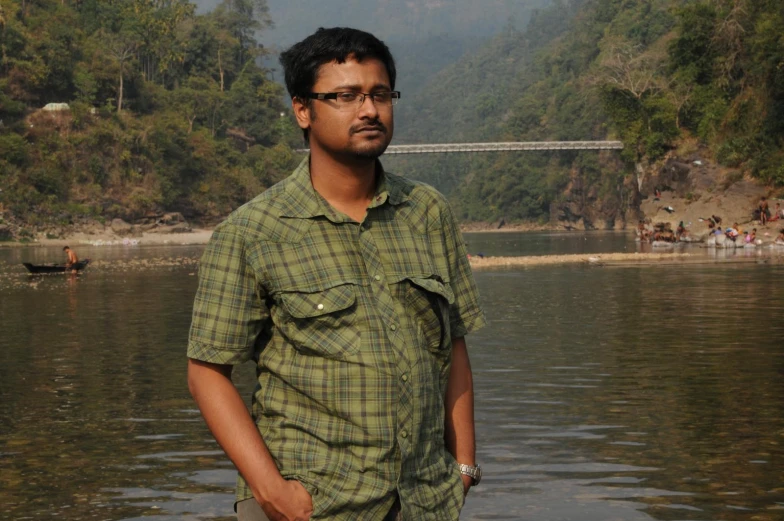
(347, 97)
(382, 97)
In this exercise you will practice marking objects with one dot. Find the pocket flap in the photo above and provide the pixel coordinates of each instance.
(434, 286)
(310, 305)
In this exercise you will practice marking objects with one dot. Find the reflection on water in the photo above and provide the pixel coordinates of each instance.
(635, 393)
(667, 379)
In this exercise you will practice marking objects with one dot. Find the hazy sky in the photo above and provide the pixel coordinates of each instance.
(393, 20)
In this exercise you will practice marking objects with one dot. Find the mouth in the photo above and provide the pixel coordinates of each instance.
(370, 130)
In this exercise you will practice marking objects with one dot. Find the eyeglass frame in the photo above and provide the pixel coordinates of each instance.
(362, 96)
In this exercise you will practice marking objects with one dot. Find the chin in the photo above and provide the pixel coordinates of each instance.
(369, 152)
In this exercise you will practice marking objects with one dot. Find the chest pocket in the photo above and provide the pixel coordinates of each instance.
(429, 301)
(321, 323)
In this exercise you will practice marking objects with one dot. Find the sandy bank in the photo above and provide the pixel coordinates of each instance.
(585, 258)
(197, 236)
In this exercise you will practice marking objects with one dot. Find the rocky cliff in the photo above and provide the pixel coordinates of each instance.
(691, 187)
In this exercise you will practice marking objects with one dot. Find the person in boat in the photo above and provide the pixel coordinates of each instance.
(71, 258)
(350, 289)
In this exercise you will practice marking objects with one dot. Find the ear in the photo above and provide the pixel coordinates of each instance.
(301, 113)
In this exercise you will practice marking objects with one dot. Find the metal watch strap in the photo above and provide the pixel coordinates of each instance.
(475, 473)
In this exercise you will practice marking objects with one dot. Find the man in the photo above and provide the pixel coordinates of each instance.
(71, 258)
(351, 290)
(764, 211)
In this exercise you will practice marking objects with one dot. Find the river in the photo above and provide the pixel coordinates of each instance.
(602, 393)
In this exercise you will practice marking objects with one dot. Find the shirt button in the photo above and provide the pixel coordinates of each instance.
(320, 307)
(377, 277)
(404, 377)
(393, 327)
(403, 434)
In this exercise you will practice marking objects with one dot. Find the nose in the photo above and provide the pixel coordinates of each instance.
(368, 108)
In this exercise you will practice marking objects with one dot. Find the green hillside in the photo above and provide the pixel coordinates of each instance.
(657, 74)
(166, 110)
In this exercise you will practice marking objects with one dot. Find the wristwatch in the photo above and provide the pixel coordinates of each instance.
(475, 473)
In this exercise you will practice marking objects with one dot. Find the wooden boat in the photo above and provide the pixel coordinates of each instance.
(55, 268)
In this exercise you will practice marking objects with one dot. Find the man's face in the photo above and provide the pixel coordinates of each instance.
(356, 132)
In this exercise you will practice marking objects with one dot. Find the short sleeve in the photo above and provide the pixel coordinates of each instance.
(465, 314)
(229, 310)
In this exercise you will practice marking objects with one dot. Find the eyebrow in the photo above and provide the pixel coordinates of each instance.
(356, 87)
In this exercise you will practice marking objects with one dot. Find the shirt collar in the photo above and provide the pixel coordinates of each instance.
(303, 201)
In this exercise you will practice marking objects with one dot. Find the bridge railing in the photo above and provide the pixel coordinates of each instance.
(499, 147)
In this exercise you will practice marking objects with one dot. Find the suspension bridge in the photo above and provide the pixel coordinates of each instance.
(449, 148)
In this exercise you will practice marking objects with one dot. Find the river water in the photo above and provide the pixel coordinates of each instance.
(602, 393)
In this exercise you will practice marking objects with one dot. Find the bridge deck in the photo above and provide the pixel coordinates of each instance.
(500, 147)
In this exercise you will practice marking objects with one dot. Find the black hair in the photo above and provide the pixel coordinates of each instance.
(66, 248)
(301, 62)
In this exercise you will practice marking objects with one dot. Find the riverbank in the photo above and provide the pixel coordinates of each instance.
(580, 258)
(612, 259)
(202, 236)
(197, 236)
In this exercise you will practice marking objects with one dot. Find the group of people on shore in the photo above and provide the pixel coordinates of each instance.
(663, 232)
(647, 231)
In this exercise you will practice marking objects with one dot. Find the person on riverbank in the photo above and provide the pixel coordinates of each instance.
(71, 258)
(764, 211)
(778, 214)
(681, 232)
(351, 290)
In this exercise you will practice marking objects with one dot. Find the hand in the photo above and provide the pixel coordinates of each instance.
(468, 482)
(289, 501)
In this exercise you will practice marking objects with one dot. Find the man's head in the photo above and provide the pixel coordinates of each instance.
(66, 248)
(342, 60)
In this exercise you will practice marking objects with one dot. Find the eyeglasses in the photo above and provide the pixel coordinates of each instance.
(354, 100)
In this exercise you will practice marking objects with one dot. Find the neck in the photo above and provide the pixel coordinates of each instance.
(346, 185)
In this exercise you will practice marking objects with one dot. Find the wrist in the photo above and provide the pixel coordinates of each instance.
(473, 472)
(267, 488)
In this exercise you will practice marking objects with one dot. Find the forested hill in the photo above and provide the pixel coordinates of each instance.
(166, 110)
(662, 75)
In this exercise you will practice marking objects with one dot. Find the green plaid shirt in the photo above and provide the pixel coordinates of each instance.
(350, 326)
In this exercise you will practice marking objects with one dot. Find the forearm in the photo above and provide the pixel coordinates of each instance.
(229, 421)
(459, 403)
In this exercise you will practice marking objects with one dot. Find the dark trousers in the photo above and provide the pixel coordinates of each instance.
(250, 510)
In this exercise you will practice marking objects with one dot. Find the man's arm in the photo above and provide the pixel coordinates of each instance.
(459, 428)
(229, 421)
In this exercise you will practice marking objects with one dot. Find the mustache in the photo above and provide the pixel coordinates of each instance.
(370, 125)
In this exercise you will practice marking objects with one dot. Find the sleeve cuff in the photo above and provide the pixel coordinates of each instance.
(468, 324)
(213, 355)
